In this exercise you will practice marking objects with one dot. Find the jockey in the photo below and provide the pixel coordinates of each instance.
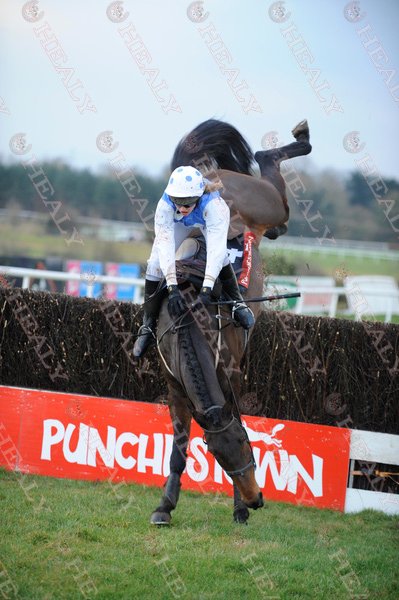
(188, 202)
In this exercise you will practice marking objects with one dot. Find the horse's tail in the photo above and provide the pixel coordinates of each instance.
(215, 144)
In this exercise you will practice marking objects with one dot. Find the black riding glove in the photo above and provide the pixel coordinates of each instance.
(176, 305)
(204, 298)
(205, 295)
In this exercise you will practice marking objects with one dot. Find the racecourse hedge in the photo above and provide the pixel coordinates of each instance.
(313, 369)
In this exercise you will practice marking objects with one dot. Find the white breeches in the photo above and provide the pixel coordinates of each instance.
(184, 249)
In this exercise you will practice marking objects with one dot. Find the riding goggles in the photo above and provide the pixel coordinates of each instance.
(184, 202)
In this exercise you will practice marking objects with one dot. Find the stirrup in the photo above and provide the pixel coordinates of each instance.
(243, 314)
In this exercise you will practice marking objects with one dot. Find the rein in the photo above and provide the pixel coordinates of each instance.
(173, 327)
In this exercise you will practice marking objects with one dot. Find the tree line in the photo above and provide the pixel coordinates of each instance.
(345, 201)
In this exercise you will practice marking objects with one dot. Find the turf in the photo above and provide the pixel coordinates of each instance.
(76, 539)
(27, 241)
(307, 262)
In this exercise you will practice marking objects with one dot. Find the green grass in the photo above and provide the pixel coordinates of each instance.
(30, 241)
(98, 536)
(313, 263)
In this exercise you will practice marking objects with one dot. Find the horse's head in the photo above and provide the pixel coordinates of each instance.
(204, 358)
(231, 447)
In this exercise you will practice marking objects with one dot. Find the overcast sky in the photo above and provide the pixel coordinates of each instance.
(76, 72)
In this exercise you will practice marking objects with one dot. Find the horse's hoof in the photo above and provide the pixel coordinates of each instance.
(274, 232)
(241, 515)
(301, 129)
(160, 518)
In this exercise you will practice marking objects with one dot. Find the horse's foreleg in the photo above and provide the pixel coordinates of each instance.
(181, 420)
(241, 512)
(230, 382)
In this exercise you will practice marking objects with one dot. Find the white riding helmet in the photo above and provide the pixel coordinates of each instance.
(185, 182)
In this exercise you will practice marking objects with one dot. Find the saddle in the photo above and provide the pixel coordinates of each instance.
(191, 263)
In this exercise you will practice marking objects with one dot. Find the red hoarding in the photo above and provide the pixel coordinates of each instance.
(85, 437)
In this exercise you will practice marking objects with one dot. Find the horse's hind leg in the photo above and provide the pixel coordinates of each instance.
(269, 160)
(181, 420)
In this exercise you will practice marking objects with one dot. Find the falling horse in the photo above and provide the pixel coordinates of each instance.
(202, 350)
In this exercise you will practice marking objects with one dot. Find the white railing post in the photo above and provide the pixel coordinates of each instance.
(138, 295)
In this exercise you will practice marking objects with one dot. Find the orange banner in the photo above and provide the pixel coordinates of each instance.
(85, 437)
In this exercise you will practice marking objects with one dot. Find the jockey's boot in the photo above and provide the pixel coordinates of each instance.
(152, 305)
(240, 310)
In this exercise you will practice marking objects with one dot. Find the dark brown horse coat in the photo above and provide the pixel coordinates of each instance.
(202, 361)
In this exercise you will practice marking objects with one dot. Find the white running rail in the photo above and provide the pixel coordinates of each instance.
(88, 278)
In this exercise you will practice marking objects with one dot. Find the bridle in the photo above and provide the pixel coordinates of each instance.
(251, 463)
